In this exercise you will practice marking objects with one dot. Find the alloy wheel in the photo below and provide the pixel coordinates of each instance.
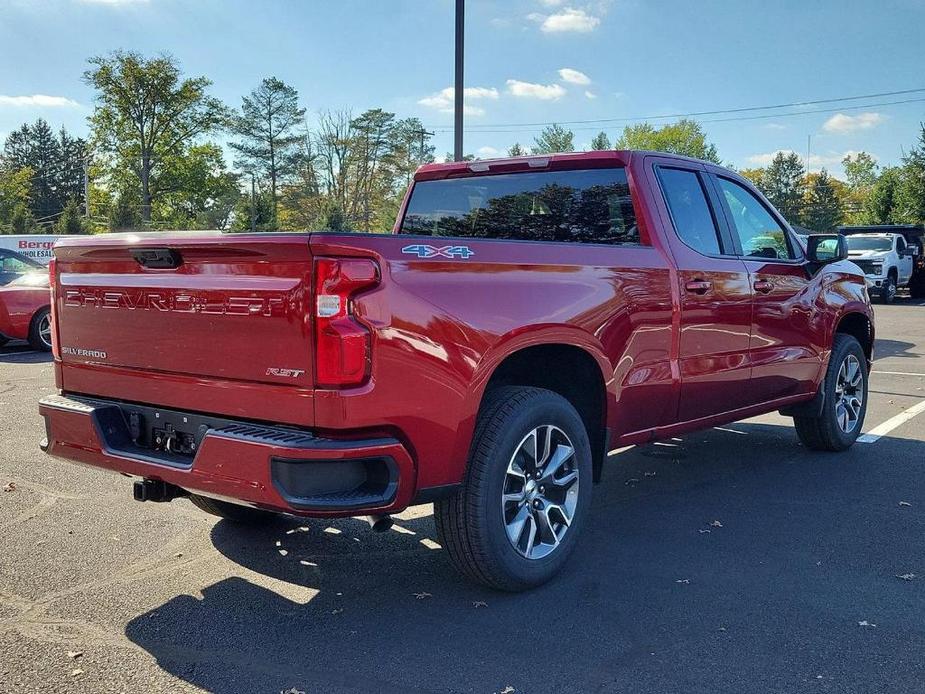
(540, 492)
(45, 330)
(849, 394)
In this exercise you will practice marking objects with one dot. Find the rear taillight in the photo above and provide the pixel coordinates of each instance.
(52, 281)
(342, 343)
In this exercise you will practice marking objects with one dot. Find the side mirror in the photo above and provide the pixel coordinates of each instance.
(823, 249)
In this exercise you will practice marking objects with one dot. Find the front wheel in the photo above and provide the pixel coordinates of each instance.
(888, 290)
(516, 518)
(845, 403)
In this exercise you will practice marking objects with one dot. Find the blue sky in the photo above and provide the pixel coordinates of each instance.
(528, 61)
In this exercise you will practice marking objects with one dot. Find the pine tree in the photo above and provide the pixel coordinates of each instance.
(22, 222)
(601, 142)
(822, 212)
(70, 221)
(516, 150)
(266, 128)
(335, 219)
(782, 184)
(554, 138)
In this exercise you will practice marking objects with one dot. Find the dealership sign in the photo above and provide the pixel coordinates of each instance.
(35, 246)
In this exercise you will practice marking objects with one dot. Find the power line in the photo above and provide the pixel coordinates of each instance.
(692, 114)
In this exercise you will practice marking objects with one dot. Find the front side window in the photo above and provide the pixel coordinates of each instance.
(585, 206)
(689, 210)
(759, 233)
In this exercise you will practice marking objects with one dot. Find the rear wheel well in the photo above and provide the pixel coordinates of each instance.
(569, 371)
(858, 326)
(893, 272)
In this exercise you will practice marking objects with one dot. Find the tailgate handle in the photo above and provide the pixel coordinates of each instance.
(157, 257)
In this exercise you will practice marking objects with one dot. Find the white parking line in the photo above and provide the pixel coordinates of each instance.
(897, 373)
(893, 422)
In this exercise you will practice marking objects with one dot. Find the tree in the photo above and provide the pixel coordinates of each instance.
(554, 138)
(881, 205)
(56, 163)
(202, 193)
(123, 215)
(861, 175)
(146, 116)
(335, 219)
(601, 141)
(516, 151)
(22, 221)
(782, 184)
(822, 211)
(14, 195)
(266, 127)
(262, 209)
(910, 194)
(685, 137)
(70, 220)
(755, 175)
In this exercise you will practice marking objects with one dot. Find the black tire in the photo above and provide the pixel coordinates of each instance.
(824, 433)
(235, 513)
(40, 330)
(888, 289)
(471, 524)
(3, 340)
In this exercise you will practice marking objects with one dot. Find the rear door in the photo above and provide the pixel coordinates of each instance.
(785, 356)
(904, 260)
(715, 294)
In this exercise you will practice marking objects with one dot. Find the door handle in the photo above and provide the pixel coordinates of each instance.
(698, 286)
(763, 286)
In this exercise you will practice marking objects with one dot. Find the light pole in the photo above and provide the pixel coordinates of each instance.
(253, 203)
(458, 108)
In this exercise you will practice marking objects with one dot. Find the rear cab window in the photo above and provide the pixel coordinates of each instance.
(580, 206)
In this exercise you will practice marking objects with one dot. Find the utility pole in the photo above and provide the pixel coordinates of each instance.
(458, 108)
(253, 203)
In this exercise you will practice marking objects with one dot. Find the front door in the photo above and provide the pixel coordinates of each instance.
(786, 343)
(715, 295)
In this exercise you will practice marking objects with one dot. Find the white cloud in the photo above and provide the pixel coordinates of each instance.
(487, 152)
(530, 90)
(38, 100)
(444, 99)
(568, 19)
(589, 94)
(574, 76)
(841, 123)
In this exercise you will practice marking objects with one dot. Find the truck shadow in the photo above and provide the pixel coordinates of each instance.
(22, 353)
(894, 348)
(706, 560)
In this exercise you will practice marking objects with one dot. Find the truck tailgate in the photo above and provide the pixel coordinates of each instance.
(220, 309)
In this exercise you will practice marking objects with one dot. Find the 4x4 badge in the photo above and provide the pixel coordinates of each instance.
(422, 250)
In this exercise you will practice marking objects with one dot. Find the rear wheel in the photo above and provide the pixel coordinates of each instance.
(3, 340)
(888, 290)
(40, 330)
(917, 286)
(516, 518)
(233, 512)
(845, 403)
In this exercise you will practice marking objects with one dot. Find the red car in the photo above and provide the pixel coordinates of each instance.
(525, 317)
(25, 311)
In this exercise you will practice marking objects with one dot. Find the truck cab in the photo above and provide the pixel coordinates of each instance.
(888, 259)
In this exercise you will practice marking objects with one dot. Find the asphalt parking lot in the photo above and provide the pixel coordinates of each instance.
(730, 561)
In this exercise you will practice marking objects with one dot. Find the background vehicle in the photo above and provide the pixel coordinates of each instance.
(36, 247)
(14, 265)
(891, 256)
(25, 312)
(525, 317)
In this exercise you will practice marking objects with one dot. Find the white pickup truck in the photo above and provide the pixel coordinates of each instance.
(887, 260)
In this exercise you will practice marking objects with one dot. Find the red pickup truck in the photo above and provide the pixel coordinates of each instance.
(525, 317)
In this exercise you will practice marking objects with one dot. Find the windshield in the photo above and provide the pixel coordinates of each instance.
(588, 206)
(868, 243)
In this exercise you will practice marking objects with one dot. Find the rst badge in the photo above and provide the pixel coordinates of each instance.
(423, 250)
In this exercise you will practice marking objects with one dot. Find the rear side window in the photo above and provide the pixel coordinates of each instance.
(689, 210)
(759, 233)
(584, 206)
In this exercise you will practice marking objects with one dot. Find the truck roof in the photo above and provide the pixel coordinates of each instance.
(558, 161)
